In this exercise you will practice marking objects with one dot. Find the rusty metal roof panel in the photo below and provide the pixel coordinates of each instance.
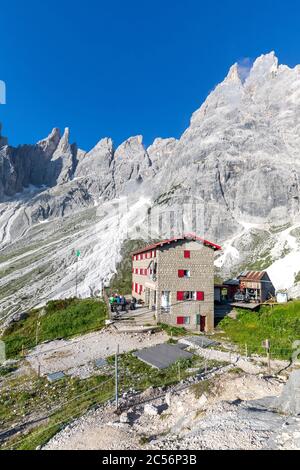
(253, 275)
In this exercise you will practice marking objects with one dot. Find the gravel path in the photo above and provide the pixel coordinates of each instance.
(76, 356)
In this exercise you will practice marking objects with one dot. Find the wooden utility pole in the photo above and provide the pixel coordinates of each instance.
(117, 379)
(267, 346)
(76, 275)
(37, 332)
(269, 360)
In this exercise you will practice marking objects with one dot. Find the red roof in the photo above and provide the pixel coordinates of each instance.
(186, 236)
(252, 275)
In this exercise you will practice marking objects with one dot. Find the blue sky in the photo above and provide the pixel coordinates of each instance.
(121, 68)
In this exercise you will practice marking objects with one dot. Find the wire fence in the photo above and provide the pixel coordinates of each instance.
(127, 380)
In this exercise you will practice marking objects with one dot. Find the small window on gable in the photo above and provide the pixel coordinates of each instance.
(187, 254)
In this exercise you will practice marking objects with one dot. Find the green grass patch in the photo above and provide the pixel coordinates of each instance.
(205, 386)
(61, 319)
(6, 370)
(279, 323)
(72, 396)
(173, 330)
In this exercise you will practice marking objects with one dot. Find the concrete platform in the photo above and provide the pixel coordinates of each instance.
(197, 341)
(162, 355)
(248, 306)
(55, 376)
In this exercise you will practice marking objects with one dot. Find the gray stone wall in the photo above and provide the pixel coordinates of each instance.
(170, 259)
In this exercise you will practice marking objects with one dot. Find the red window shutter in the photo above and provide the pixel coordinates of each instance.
(180, 272)
(180, 320)
(200, 295)
(187, 253)
(179, 295)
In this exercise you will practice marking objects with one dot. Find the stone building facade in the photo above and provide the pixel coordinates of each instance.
(175, 279)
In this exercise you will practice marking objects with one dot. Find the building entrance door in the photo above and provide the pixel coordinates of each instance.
(202, 322)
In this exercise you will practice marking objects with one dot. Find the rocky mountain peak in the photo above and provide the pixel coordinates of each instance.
(233, 74)
(50, 143)
(3, 140)
(265, 64)
(64, 143)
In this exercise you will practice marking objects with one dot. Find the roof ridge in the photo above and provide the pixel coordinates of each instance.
(212, 245)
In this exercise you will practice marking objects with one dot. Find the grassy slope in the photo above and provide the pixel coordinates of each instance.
(62, 319)
(280, 324)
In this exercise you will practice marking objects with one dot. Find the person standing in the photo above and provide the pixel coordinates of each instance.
(111, 303)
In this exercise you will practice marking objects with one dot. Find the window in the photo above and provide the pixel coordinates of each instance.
(183, 320)
(165, 300)
(189, 295)
(184, 273)
(200, 295)
(187, 254)
(186, 295)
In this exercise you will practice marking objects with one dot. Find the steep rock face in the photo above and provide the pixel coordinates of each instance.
(132, 165)
(160, 151)
(3, 140)
(61, 166)
(50, 162)
(95, 168)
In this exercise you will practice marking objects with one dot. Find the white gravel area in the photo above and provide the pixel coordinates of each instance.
(220, 419)
(76, 356)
